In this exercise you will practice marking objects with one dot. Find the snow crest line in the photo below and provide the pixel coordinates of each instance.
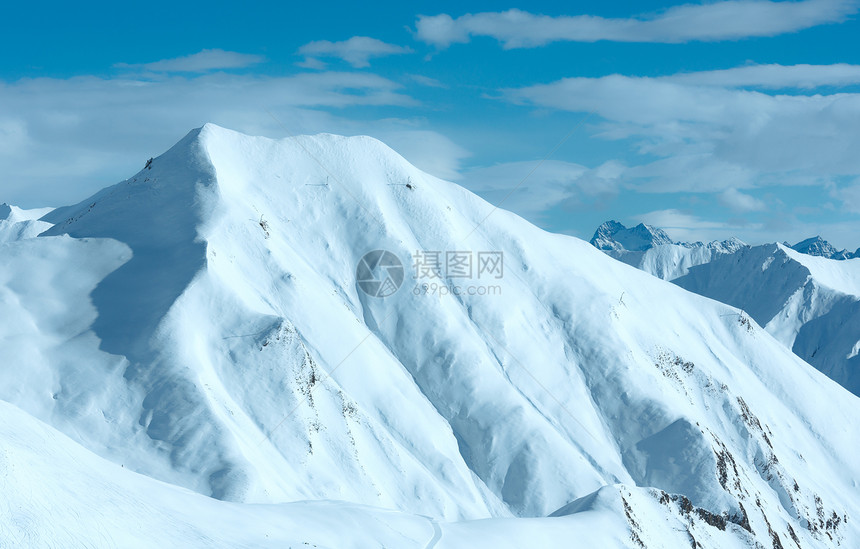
(323, 166)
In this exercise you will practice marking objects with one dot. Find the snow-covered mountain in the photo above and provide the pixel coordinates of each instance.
(612, 235)
(18, 224)
(814, 311)
(652, 250)
(201, 323)
(817, 246)
(811, 304)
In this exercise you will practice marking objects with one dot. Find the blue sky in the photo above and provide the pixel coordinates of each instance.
(717, 119)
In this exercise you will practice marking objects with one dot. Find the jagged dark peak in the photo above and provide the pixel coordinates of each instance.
(613, 235)
(817, 246)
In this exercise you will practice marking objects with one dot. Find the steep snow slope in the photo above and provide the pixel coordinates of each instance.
(246, 364)
(811, 304)
(842, 276)
(653, 251)
(813, 310)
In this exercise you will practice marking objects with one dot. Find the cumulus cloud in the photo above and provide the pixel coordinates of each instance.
(357, 51)
(203, 61)
(726, 20)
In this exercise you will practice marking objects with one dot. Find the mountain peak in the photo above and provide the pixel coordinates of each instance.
(18, 224)
(613, 235)
(652, 250)
(817, 246)
(729, 245)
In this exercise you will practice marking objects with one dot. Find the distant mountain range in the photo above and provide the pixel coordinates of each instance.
(18, 224)
(819, 247)
(652, 250)
(806, 295)
(614, 236)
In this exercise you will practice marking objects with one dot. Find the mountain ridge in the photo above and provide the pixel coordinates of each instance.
(652, 250)
(817, 246)
(614, 236)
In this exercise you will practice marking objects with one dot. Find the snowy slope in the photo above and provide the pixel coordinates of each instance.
(18, 224)
(57, 494)
(653, 251)
(811, 304)
(205, 328)
(842, 276)
(812, 308)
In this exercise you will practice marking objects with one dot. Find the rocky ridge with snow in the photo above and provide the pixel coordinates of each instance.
(817, 246)
(652, 250)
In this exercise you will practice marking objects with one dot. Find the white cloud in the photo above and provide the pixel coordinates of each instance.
(530, 188)
(429, 151)
(203, 61)
(686, 227)
(773, 76)
(710, 139)
(312, 63)
(427, 81)
(689, 227)
(740, 202)
(726, 20)
(849, 196)
(357, 51)
(14, 138)
(689, 171)
(63, 139)
(677, 220)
